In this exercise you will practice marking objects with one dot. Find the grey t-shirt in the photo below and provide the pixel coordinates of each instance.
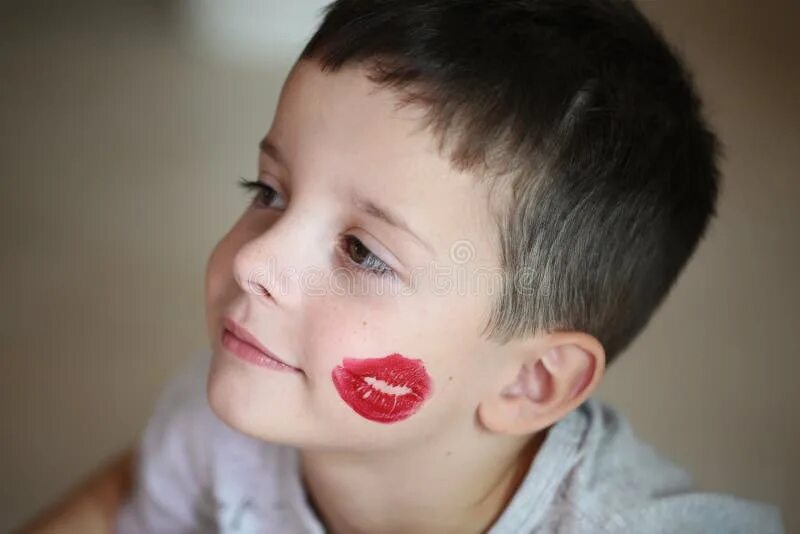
(591, 475)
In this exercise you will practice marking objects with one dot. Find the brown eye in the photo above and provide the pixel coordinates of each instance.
(363, 257)
(358, 252)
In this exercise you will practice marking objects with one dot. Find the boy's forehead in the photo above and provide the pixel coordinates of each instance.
(342, 129)
(344, 114)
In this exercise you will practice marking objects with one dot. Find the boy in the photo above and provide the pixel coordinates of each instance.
(464, 211)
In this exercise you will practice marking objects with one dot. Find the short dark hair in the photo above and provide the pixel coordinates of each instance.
(584, 113)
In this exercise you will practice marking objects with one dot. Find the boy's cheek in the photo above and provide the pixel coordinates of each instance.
(219, 281)
(217, 286)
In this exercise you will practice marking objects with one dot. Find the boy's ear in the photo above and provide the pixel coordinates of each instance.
(552, 376)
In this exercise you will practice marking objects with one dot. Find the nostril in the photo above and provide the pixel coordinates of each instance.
(263, 291)
(257, 283)
(257, 288)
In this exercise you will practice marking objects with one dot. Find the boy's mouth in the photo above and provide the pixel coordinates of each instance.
(384, 390)
(240, 342)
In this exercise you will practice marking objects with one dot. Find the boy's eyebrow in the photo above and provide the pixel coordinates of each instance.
(371, 208)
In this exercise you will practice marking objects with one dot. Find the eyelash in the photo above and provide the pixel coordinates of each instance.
(373, 265)
(258, 189)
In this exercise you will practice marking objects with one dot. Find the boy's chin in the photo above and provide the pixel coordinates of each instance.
(260, 403)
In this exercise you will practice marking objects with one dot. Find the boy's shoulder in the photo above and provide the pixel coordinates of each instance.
(593, 474)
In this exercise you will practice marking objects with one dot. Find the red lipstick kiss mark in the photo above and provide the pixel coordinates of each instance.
(385, 390)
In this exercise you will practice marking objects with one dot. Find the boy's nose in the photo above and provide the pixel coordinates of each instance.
(258, 272)
(269, 264)
(254, 270)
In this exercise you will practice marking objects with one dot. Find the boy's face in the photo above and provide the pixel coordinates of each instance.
(348, 289)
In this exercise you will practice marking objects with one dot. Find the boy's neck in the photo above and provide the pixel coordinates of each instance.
(423, 491)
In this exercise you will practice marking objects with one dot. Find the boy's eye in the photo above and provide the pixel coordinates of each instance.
(351, 247)
(264, 195)
(359, 254)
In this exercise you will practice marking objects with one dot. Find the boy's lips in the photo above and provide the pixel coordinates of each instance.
(384, 390)
(245, 345)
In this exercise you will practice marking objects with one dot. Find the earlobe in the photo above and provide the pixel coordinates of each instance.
(548, 385)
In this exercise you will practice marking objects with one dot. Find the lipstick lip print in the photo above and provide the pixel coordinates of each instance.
(384, 390)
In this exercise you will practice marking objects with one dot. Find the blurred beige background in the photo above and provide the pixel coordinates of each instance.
(124, 128)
